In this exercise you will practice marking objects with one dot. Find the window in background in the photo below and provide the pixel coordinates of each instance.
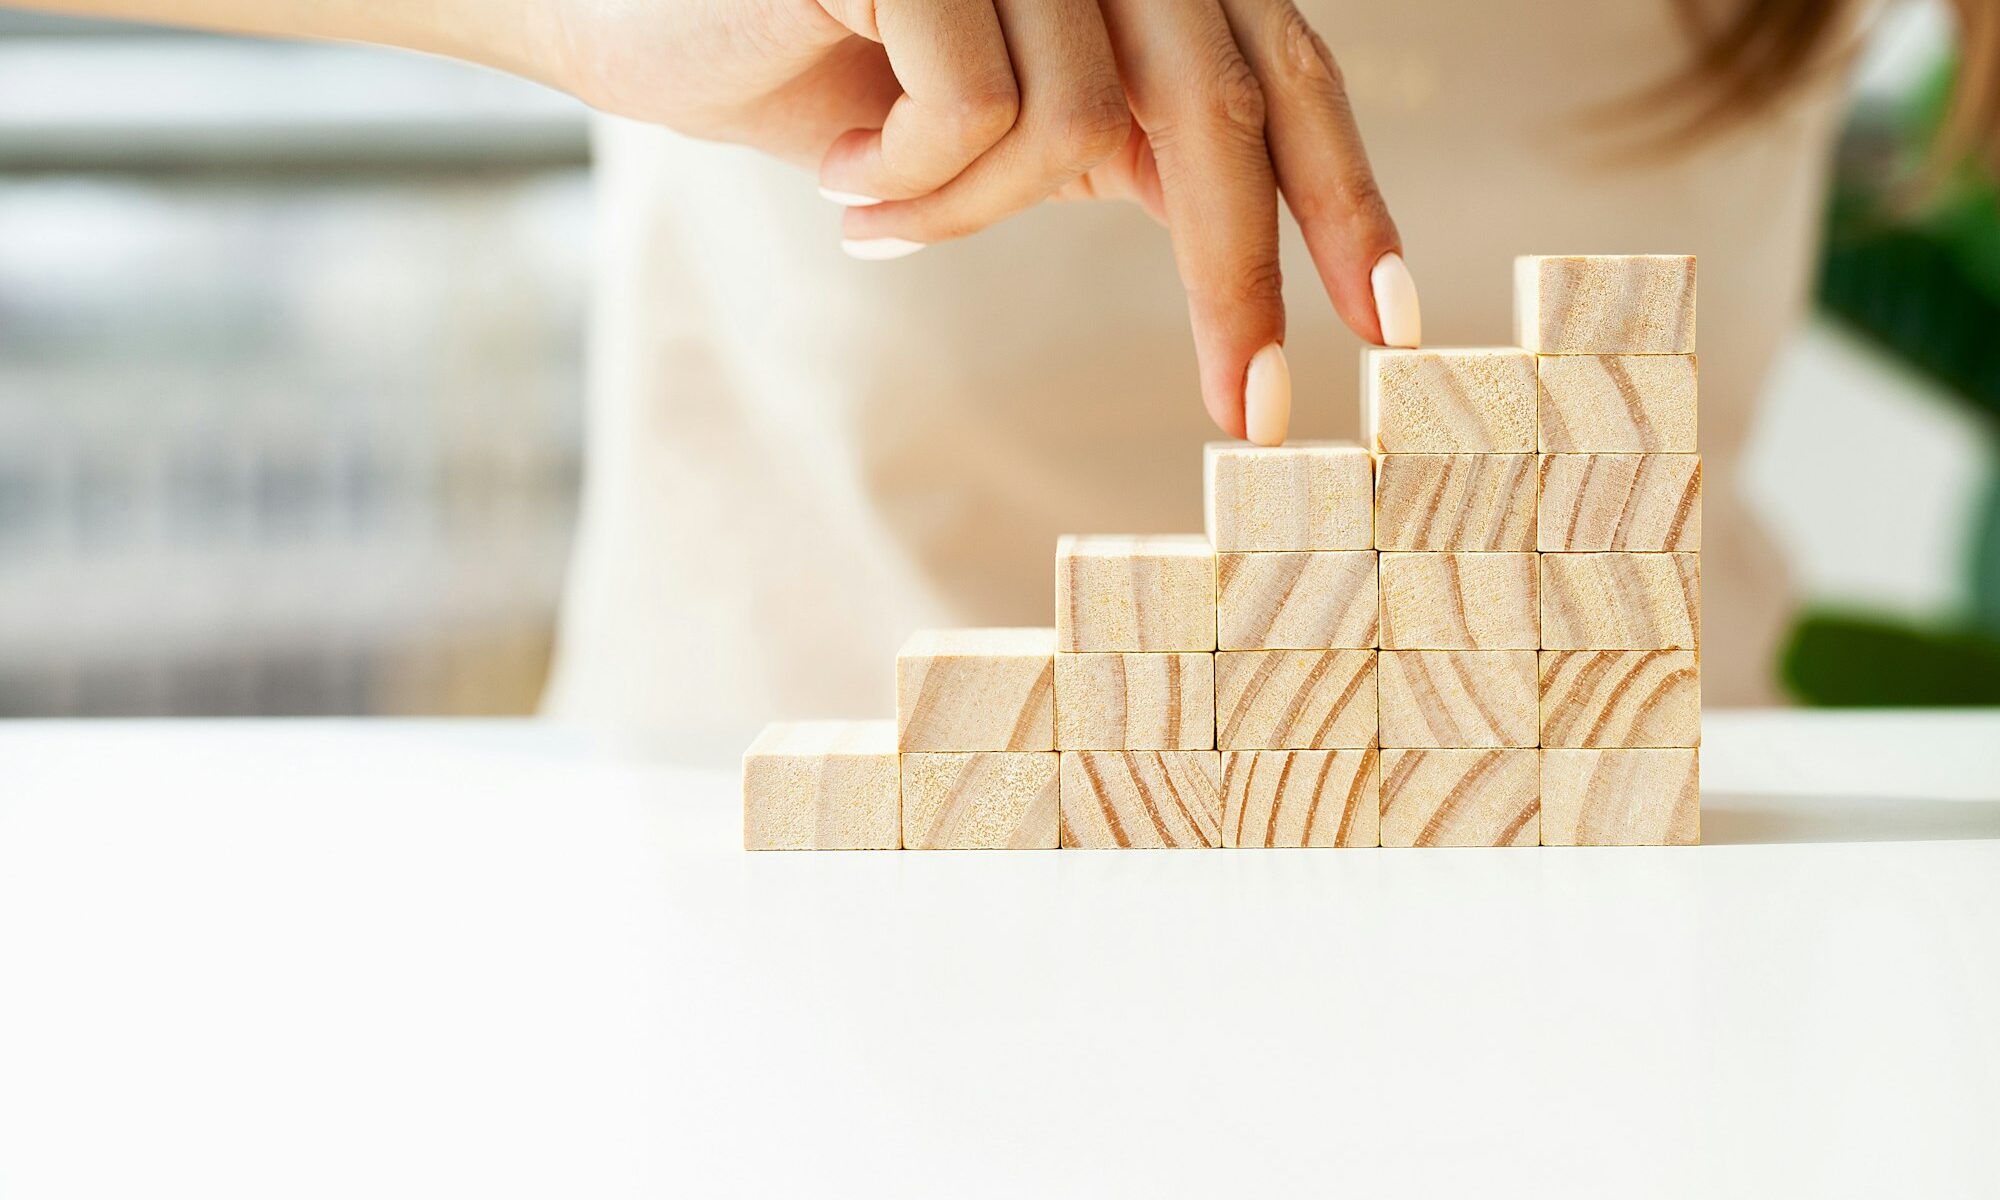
(289, 377)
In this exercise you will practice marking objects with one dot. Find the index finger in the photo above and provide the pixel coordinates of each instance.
(1203, 110)
(1323, 171)
(959, 98)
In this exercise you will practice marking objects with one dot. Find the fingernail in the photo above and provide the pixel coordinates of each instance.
(1396, 306)
(850, 199)
(876, 249)
(1267, 397)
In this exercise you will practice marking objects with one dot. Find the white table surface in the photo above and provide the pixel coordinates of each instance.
(486, 959)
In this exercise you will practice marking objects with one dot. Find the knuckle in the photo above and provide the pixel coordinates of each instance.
(1301, 55)
(984, 114)
(1258, 282)
(1230, 95)
(1090, 130)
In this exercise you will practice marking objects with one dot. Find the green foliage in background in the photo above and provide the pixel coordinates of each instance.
(1922, 280)
(1848, 660)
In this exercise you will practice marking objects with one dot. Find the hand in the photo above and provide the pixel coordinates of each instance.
(937, 118)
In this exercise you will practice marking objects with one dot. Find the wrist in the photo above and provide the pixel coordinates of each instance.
(521, 37)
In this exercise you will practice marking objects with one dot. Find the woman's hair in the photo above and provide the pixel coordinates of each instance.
(1749, 54)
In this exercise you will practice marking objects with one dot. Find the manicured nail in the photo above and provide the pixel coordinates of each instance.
(1396, 306)
(1267, 397)
(876, 249)
(850, 199)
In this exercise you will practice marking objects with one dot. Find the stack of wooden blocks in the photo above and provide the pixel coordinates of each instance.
(1480, 631)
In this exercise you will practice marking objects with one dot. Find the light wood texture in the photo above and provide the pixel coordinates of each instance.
(1637, 502)
(1460, 798)
(1301, 496)
(1621, 798)
(1304, 600)
(1135, 701)
(1301, 798)
(1449, 401)
(1616, 404)
(1295, 699)
(1620, 601)
(1141, 799)
(1129, 593)
(976, 689)
(986, 801)
(1455, 502)
(1458, 698)
(1605, 303)
(822, 785)
(1620, 699)
(1471, 601)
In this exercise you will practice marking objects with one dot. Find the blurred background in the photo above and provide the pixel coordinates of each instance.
(290, 374)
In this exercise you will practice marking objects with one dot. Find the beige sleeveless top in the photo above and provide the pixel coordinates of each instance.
(795, 459)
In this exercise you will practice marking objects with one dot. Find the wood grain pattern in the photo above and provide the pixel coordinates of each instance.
(1300, 496)
(1460, 798)
(822, 785)
(1469, 601)
(1620, 601)
(1458, 698)
(1309, 600)
(1605, 303)
(1141, 799)
(1455, 502)
(1616, 404)
(1131, 593)
(1621, 797)
(1295, 699)
(1620, 699)
(1635, 502)
(1301, 798)
(986, 801)
(976, 689)
(1135, 701)
(1449, 401)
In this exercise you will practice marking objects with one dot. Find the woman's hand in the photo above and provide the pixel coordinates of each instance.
(933, 119)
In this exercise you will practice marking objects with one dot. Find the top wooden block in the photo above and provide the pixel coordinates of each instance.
(1134, 593)
(976, 689)
(1302, 496)
(1604, 303)
(1479, 401)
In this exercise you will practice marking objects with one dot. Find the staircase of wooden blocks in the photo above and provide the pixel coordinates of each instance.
(1482, 630)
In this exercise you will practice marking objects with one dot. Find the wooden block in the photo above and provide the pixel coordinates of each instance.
(1449, 401)
(1135, 701)
(1621, 798)
(1144, 592)
(985, 801)
(1141, 799)
(1640, 502)
(1471, 601)
(1295, 699)
(1455, 502)
(1458, 698)
(822, 785)
(1620, 601)
(1460, 798)
(1304, 600)
(1616, 403)
(1301, 798)
(1620, 699)
(1604, 303)
(976, 689)
(1301, 496)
